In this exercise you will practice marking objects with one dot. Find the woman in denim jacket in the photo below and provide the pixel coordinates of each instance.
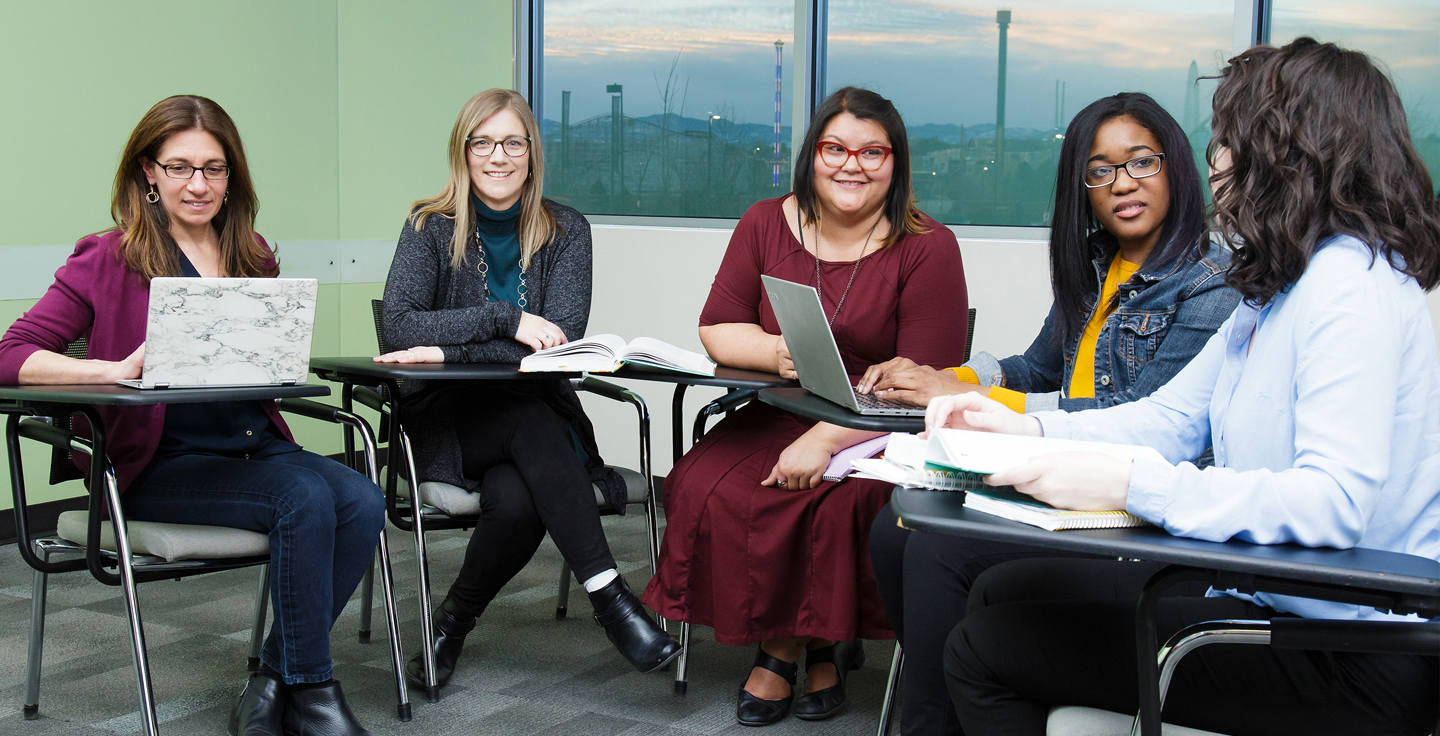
(1135, 299)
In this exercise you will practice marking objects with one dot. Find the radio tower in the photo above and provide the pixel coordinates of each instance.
(775, 159)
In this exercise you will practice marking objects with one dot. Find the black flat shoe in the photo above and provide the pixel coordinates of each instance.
(451, 626)
(640, 640)
(259, 710)
(320, 711)
(822, 704)
(753, 711)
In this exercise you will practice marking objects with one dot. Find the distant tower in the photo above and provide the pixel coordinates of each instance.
(1002, 18)
(1191, 118)
(775, 158)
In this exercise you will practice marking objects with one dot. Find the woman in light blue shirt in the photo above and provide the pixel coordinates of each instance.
(1320, 396)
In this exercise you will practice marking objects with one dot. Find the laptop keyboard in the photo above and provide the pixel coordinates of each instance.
(869, 401)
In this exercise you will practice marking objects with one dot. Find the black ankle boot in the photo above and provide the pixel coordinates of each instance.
(639, 639)
(821, 704)
(753, 711)
(260, 708)
(320, 711)
(450, 627)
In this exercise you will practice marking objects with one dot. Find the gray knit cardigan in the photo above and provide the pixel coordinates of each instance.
(427, 302)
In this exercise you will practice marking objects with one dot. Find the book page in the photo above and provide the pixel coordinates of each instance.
(650, 351)
(988, 452)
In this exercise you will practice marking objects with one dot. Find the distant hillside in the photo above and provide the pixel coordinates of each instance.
(758, 134)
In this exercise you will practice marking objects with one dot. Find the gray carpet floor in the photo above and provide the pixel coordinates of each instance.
(523, 671)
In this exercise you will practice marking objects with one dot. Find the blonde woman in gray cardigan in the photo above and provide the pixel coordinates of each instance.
(488, 271)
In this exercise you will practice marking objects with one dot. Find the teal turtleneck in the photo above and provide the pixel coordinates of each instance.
(500, 239)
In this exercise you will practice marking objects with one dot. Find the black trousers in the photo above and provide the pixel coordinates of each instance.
(1047, 632)
(531, 482)
(925, 583)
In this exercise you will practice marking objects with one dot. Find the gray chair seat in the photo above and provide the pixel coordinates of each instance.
(171, 542)
(456, 501)
(1073, 720)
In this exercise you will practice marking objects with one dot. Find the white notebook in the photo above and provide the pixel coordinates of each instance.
(608, 353)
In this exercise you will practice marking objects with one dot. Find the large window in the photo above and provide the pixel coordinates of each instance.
(1404, 35)
(683, 107)
(667, 107)
(987, 94)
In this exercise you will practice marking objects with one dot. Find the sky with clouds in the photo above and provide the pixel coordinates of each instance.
(937, 59)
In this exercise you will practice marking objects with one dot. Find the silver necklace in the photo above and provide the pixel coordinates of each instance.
(800, 227)
(485, 271)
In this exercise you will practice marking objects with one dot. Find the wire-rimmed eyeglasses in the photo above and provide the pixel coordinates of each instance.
(512, 146)
(1138, 168)
(186, 171)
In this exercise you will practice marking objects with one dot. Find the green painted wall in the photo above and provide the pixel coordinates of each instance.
(344, 106)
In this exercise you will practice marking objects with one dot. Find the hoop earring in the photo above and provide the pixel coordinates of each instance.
(153, 196)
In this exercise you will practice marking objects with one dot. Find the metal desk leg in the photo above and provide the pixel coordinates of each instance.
(1147, 648)
(37, 640)
(677, 425)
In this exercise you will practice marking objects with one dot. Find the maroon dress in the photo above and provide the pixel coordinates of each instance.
(758, 562)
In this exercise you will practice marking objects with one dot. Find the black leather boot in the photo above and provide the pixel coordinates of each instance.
(640, 640)
(753, 711)
(320, 711)
(259, 710)
(821, 704)
(451, 627)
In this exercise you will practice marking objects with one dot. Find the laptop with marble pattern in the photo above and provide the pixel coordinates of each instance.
(222, 332)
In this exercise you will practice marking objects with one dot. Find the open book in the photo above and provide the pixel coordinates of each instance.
(607, 353)
(959, 460)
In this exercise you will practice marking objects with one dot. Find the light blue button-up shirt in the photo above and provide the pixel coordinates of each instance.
(1324, 411)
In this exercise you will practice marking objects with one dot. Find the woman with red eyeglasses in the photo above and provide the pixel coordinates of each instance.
(757, 544)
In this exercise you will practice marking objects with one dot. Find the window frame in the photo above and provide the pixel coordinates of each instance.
(1252, 27)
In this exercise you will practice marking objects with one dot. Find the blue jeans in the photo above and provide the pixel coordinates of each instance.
(323, 520)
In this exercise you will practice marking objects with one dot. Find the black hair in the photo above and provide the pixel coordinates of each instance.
(1072, 273)
(900, 209)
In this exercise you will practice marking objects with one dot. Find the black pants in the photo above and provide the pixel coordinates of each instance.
(531, 482)
(1047, 632)
(925, 582)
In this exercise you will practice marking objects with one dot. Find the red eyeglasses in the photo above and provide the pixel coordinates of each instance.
(835, 155)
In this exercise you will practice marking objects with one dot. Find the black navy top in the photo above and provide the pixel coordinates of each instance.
(230, 428)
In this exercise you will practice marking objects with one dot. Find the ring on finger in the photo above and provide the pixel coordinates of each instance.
(780, 482)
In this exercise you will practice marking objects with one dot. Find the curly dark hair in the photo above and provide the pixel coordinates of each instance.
(1317, 145)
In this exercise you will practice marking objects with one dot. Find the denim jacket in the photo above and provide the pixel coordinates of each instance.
(1162, 321)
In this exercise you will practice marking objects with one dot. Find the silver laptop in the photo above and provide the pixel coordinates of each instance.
(817, 359)
(213, 333)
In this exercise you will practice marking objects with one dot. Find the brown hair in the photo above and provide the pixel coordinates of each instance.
(899, 209)
(146, 244)
(537, 224)
(1318, 146)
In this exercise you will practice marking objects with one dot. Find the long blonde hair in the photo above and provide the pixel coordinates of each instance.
(145, 227)
(537, 223)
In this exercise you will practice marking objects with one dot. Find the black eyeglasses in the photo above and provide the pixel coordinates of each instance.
(186, 171)
(513, 146)
(1138, 168)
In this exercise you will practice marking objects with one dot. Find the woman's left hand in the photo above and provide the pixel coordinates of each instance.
(413, 355)
(801, 466)
(1078, 481)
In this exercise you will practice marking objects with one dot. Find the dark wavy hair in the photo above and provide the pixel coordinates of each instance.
(1072, 273)
(1318, 146)
(900, 209)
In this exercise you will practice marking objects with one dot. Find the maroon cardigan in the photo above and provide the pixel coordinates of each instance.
(96, 295)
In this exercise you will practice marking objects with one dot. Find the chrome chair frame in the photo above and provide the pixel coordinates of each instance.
(133, 568)
(403, 513)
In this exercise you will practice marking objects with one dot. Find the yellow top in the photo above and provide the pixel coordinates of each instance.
(1082, 382)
